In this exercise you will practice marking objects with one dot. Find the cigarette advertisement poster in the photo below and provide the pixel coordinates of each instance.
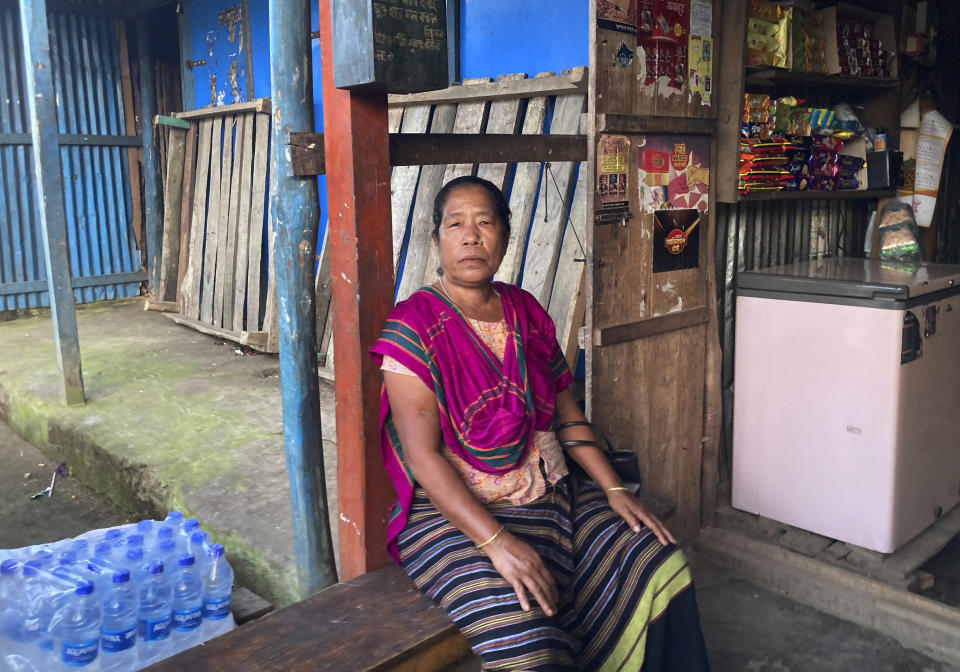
(662, 29)
(674, 187)
(613, 152)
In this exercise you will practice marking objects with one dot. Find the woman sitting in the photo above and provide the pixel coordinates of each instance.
(537, 574)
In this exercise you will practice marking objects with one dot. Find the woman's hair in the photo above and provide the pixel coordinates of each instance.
(499, 202)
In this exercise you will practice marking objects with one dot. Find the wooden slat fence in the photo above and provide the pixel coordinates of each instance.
(214, 208)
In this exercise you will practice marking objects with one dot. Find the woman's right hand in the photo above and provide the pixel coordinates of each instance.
(523, 568)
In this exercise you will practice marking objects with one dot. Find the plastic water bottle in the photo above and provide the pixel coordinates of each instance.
(166, 552)
(114, 537)
(134, 562)
(118, 627)
(103, 551)
(155, 616)
(43, 596)
(190, 525)
(79, 627)
(174, 519)
(187, 604)
(11, 607)
(81, 549)
(217, 585)
(67, 559)
(43, 558)
(164, 532)
(199, 546)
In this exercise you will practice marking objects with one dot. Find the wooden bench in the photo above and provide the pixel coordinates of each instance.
(378, 621)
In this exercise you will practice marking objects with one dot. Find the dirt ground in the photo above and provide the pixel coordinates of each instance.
(71, 510)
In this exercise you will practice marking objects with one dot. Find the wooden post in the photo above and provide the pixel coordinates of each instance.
(358, 191)
(42, 111)
(152, 187)
(294, 209)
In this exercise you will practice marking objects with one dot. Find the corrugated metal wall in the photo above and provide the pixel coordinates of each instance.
(766, 233)
(104, 262)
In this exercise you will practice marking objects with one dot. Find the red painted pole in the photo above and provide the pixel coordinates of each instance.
(357, 149)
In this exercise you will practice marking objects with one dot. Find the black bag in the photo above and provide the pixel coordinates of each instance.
(624, 462)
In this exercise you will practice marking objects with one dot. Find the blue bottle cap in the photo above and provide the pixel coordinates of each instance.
(68, 558)
(166, 546)
(113, 535)
(121, 576)
(30, 568)
(84, 587)
(8, 566)
(175, 516)
(190, 524)
(102, 548)
(186, 559)
(46, 644)
(42, 555)
(215, 551)
(165, 532)
(80, 545)
(135, 540)
(198, 537)
(155, 567)
(144, 526)
(135, 554)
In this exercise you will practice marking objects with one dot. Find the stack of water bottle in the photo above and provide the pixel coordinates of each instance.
(118, 599)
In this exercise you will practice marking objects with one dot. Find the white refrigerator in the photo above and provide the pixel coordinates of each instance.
(847, 397)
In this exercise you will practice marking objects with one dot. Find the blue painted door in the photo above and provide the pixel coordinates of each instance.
(104, 261)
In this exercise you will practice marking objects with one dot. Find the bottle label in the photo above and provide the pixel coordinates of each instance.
(154, 629)
(115, 641)
(186, 620)
(79, 654)
(216, 609)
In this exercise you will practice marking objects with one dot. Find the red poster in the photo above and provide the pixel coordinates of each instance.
(662, 29)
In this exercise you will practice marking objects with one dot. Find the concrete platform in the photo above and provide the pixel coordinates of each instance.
(175, 420)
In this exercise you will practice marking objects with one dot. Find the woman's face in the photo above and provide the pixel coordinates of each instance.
(470, 237)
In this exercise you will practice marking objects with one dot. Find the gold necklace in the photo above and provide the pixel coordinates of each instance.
(443, 286)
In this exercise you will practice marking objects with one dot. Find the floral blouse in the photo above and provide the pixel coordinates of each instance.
(527, 481)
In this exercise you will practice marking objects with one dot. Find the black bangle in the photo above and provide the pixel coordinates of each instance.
(573, 444)
(573, 423)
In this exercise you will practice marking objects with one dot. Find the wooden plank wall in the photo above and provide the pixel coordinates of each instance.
(655, 391)
(542, 252)
(215, 205)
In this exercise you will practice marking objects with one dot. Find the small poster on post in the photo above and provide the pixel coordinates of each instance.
(662, 29)
(613, 152)
(619, 15)
(676, 239)
(673, 172)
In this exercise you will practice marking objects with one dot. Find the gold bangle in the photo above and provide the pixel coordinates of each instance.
(619, 487)
(495, 535)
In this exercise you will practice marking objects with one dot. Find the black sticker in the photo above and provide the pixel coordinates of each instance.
(911, 342)
(930, 320)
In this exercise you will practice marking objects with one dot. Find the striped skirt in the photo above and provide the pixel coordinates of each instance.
(626, 601)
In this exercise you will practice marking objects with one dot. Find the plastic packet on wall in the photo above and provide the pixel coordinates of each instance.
(898, 233)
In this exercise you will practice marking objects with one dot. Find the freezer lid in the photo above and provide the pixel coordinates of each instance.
(869, 279)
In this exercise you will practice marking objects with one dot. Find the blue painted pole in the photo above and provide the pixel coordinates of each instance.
(295, 217)
(42, 114)
(152, 187)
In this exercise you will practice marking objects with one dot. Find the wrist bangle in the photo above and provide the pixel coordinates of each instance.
(495, 535)
(619, 487)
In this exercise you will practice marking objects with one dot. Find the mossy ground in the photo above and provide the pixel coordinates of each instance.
(174, 420)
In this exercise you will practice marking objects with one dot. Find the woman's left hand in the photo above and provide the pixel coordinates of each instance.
(636, 514)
